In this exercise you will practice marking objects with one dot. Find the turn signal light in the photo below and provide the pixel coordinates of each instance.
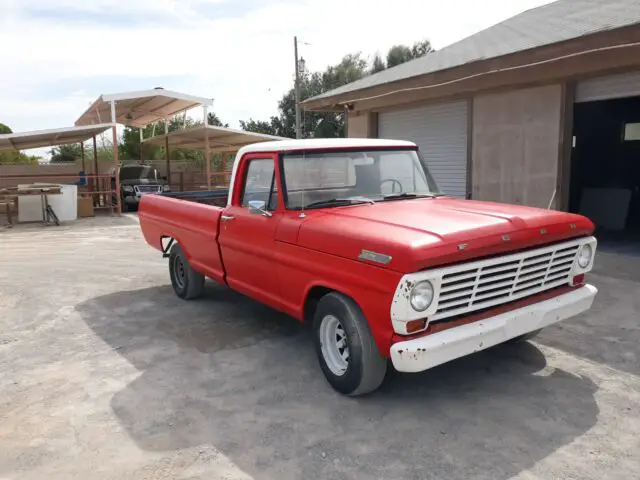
(578, 279)
(414, 326)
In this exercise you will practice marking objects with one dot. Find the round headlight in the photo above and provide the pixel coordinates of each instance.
(421, 296)
(584, 257)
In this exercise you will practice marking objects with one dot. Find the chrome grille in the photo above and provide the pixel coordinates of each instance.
(477, 285)
(147, 188)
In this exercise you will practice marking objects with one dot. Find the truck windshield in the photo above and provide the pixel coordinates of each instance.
(138, 172)
(325, 179)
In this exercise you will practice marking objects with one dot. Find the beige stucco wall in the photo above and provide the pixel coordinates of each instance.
(362, 125)
(515, 145)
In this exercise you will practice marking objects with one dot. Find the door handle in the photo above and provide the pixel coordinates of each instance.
(226, 218)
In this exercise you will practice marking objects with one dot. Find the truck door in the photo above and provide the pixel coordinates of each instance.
(248, 226)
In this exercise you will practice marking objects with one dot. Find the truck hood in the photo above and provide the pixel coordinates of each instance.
(427, 232)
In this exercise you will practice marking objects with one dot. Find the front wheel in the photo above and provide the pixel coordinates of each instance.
(346, 350)
(186, 282)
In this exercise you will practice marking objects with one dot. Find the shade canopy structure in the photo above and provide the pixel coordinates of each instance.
(218, 139)
(139, 109)
(50, 138)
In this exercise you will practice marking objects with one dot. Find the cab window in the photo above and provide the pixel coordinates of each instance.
(260, 183)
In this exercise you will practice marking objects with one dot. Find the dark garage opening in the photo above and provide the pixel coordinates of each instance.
(605, 166)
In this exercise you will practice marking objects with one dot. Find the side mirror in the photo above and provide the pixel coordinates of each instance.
(258, 206)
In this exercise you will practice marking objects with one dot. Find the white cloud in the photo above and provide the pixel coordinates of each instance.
(244, 61)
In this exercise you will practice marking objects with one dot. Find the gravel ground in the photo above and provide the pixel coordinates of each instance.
(106, 374)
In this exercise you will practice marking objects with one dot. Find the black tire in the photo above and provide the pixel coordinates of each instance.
(186, 282)
(366, 368)
(524, 338)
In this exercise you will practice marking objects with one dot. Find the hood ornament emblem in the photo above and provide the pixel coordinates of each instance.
(543, 231)
(506, 238)
(374, 257)
(462, 246)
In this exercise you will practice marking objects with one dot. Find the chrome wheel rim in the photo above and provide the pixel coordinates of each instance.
(334, 346)
(178, 271)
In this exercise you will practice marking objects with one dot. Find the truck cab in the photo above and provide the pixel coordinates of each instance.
(354, 237)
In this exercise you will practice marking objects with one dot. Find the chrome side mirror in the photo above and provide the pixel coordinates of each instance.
(258, 206)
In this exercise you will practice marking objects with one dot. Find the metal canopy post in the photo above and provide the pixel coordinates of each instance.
(115, 156)
(207, 159)
(96, 180)
(141, 140)
(166, 151)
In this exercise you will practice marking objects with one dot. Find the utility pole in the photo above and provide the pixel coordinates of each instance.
(297, 88)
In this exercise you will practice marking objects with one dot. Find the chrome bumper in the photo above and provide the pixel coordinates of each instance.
(431, 350)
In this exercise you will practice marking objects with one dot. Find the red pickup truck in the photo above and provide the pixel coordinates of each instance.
(354, 236)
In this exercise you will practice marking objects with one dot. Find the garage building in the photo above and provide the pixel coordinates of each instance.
(542, 109)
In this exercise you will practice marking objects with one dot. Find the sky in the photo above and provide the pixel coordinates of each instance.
(58, 56)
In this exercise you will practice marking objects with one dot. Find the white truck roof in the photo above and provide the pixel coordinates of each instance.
(322, 143)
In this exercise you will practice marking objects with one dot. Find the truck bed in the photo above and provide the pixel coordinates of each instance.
(191, 219)
(207, 197)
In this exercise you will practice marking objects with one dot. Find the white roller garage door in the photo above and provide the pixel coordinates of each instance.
(606, 88)
(441, 133)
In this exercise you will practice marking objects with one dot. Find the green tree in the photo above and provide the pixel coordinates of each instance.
(65, 153)
(329, 124)
(15, 157)
(402, 53)
(421, 48)
(314, 124)
(212, 119)
(398, 54)
(129, 147)
(259, 126)
(377, 65)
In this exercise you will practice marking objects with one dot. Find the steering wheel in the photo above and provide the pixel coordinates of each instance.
(393, 184)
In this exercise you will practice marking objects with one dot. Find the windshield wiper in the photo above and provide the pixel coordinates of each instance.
(332, 202)
(396, 196)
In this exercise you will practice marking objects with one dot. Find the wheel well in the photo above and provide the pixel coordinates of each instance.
(311, 302)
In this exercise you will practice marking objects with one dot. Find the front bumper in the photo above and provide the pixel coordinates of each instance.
(431, 350)
(131, 199)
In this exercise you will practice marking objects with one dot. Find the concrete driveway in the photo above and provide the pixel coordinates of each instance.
(105, 373)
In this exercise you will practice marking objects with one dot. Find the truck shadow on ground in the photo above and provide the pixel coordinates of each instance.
(609, 332)
(228, 372)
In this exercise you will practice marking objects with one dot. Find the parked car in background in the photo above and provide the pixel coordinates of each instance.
(136, 180)
(354, 236)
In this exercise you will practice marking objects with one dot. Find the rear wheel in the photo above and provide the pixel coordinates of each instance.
(186, 282)
(347, 353)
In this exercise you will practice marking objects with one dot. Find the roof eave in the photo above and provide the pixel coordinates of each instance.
(463, 79)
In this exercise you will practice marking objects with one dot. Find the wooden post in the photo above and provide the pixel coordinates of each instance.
(114, 132)
(96, 180)
(84, 168)
(207, 159)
